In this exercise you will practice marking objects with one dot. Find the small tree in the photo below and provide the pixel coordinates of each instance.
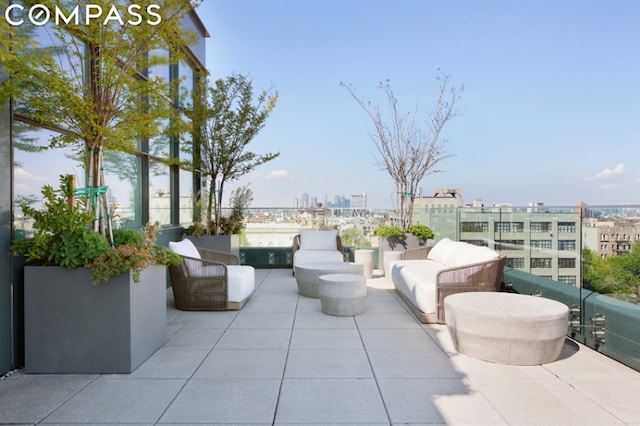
(93, 85)
(406, 152)
(227, 119)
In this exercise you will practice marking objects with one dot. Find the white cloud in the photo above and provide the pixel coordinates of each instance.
(636, 181)
(608, 173)
(279, 175)
(22, 175)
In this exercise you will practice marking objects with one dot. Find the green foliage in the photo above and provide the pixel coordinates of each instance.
(389, 231)
(59, 220)
(422, 232)
(131, 237)
(77, 248)
(613, 275)
(228, 119)
(138, 251)
(353, 237)
(240, 200)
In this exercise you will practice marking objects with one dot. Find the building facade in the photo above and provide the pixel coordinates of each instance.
(142, 189)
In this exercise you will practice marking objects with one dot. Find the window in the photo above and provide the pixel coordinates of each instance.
(510, 245)
(540, 226)
(503, 226)
(481, 243)
(474, 227)
(569, 227)
(566, 262)
(541, 244)
(567, 279)
(541, 262)
(515, 262)
(566, 244)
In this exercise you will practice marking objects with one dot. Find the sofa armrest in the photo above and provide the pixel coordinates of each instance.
(416, 253)
(219, 256)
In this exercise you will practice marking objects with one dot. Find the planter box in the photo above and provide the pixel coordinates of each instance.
(224, 243)
(397, 244)
(73, 326)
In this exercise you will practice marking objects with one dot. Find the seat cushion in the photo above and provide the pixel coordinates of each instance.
(317, 256)
(242, 282)
(416, 279)
(318, 240)
(440, 252)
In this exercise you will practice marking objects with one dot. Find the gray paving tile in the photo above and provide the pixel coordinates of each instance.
(204, 319)
(401, 363)
(330, 401)
(318, 319)
(325, 338)
(415, 339)
(328, 363)
(246, 363)
(112, 400)
(194, 338)
(233, 401)
(262, 320)
(168, 364)
(241, 338)
(436, 401)
(30, 398)
(394, 319)
(272, 303)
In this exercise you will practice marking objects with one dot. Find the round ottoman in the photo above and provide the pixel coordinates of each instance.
(365, 257)
(307, 274)
(342, 295)
(506, 328)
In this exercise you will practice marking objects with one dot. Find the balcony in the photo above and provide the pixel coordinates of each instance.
(280, 360)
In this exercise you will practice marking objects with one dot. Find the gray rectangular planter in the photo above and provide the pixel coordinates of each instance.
(73, 326)
(224, 243)
(409, 241)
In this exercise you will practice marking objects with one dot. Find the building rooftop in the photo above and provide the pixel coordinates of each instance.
(280, 360)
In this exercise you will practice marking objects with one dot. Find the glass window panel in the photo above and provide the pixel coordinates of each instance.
(159, 193)
(122, 174)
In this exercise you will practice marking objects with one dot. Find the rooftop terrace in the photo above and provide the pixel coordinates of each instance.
(280, 360)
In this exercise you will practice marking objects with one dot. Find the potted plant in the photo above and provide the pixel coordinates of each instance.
(392, 238)
(90, 306)
(227, 119)
(230, 227)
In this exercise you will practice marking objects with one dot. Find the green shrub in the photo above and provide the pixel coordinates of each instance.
(422, 232)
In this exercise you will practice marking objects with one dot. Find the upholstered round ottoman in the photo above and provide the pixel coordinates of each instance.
(342, 295)
(506, 328)
(307, 274)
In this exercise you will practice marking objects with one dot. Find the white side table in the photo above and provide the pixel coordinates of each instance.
(365, 257)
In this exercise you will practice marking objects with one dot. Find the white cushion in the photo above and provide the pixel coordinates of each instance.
(318, 240)
(441, 250)
(184, 248)
(241, 279)
(242, 282)
(416, 279)
(466, 254)
(317, 256)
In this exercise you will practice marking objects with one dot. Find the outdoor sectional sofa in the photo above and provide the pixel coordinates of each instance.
(426, 275)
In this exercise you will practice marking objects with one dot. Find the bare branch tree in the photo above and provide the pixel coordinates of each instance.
(407, 152)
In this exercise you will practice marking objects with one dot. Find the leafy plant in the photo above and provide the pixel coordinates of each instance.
(422, 232)
(389, 231)
(63, 237)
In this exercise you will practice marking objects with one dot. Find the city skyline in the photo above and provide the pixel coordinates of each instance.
(549, 104)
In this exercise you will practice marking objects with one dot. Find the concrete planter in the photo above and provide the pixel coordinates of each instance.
(73, 326)
(397, 245)
(225, 243)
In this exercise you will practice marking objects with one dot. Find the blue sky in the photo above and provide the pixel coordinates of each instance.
(551, 97)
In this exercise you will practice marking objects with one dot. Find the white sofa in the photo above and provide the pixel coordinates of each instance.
(426, 275)
(317, 246)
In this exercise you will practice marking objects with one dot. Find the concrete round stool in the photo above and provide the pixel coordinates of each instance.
(342, 295)
(506, 328)
(364, 257)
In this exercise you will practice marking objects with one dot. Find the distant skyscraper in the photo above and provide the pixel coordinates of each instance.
(359, 201)
(296, 202)
(305, 200)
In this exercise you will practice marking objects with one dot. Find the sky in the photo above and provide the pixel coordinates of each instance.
(550, 110)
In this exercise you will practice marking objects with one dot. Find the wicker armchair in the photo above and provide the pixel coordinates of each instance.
(205, 283)
(481, 275)
(320, 246)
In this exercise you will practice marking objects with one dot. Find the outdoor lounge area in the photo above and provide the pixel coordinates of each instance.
(280, 360)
